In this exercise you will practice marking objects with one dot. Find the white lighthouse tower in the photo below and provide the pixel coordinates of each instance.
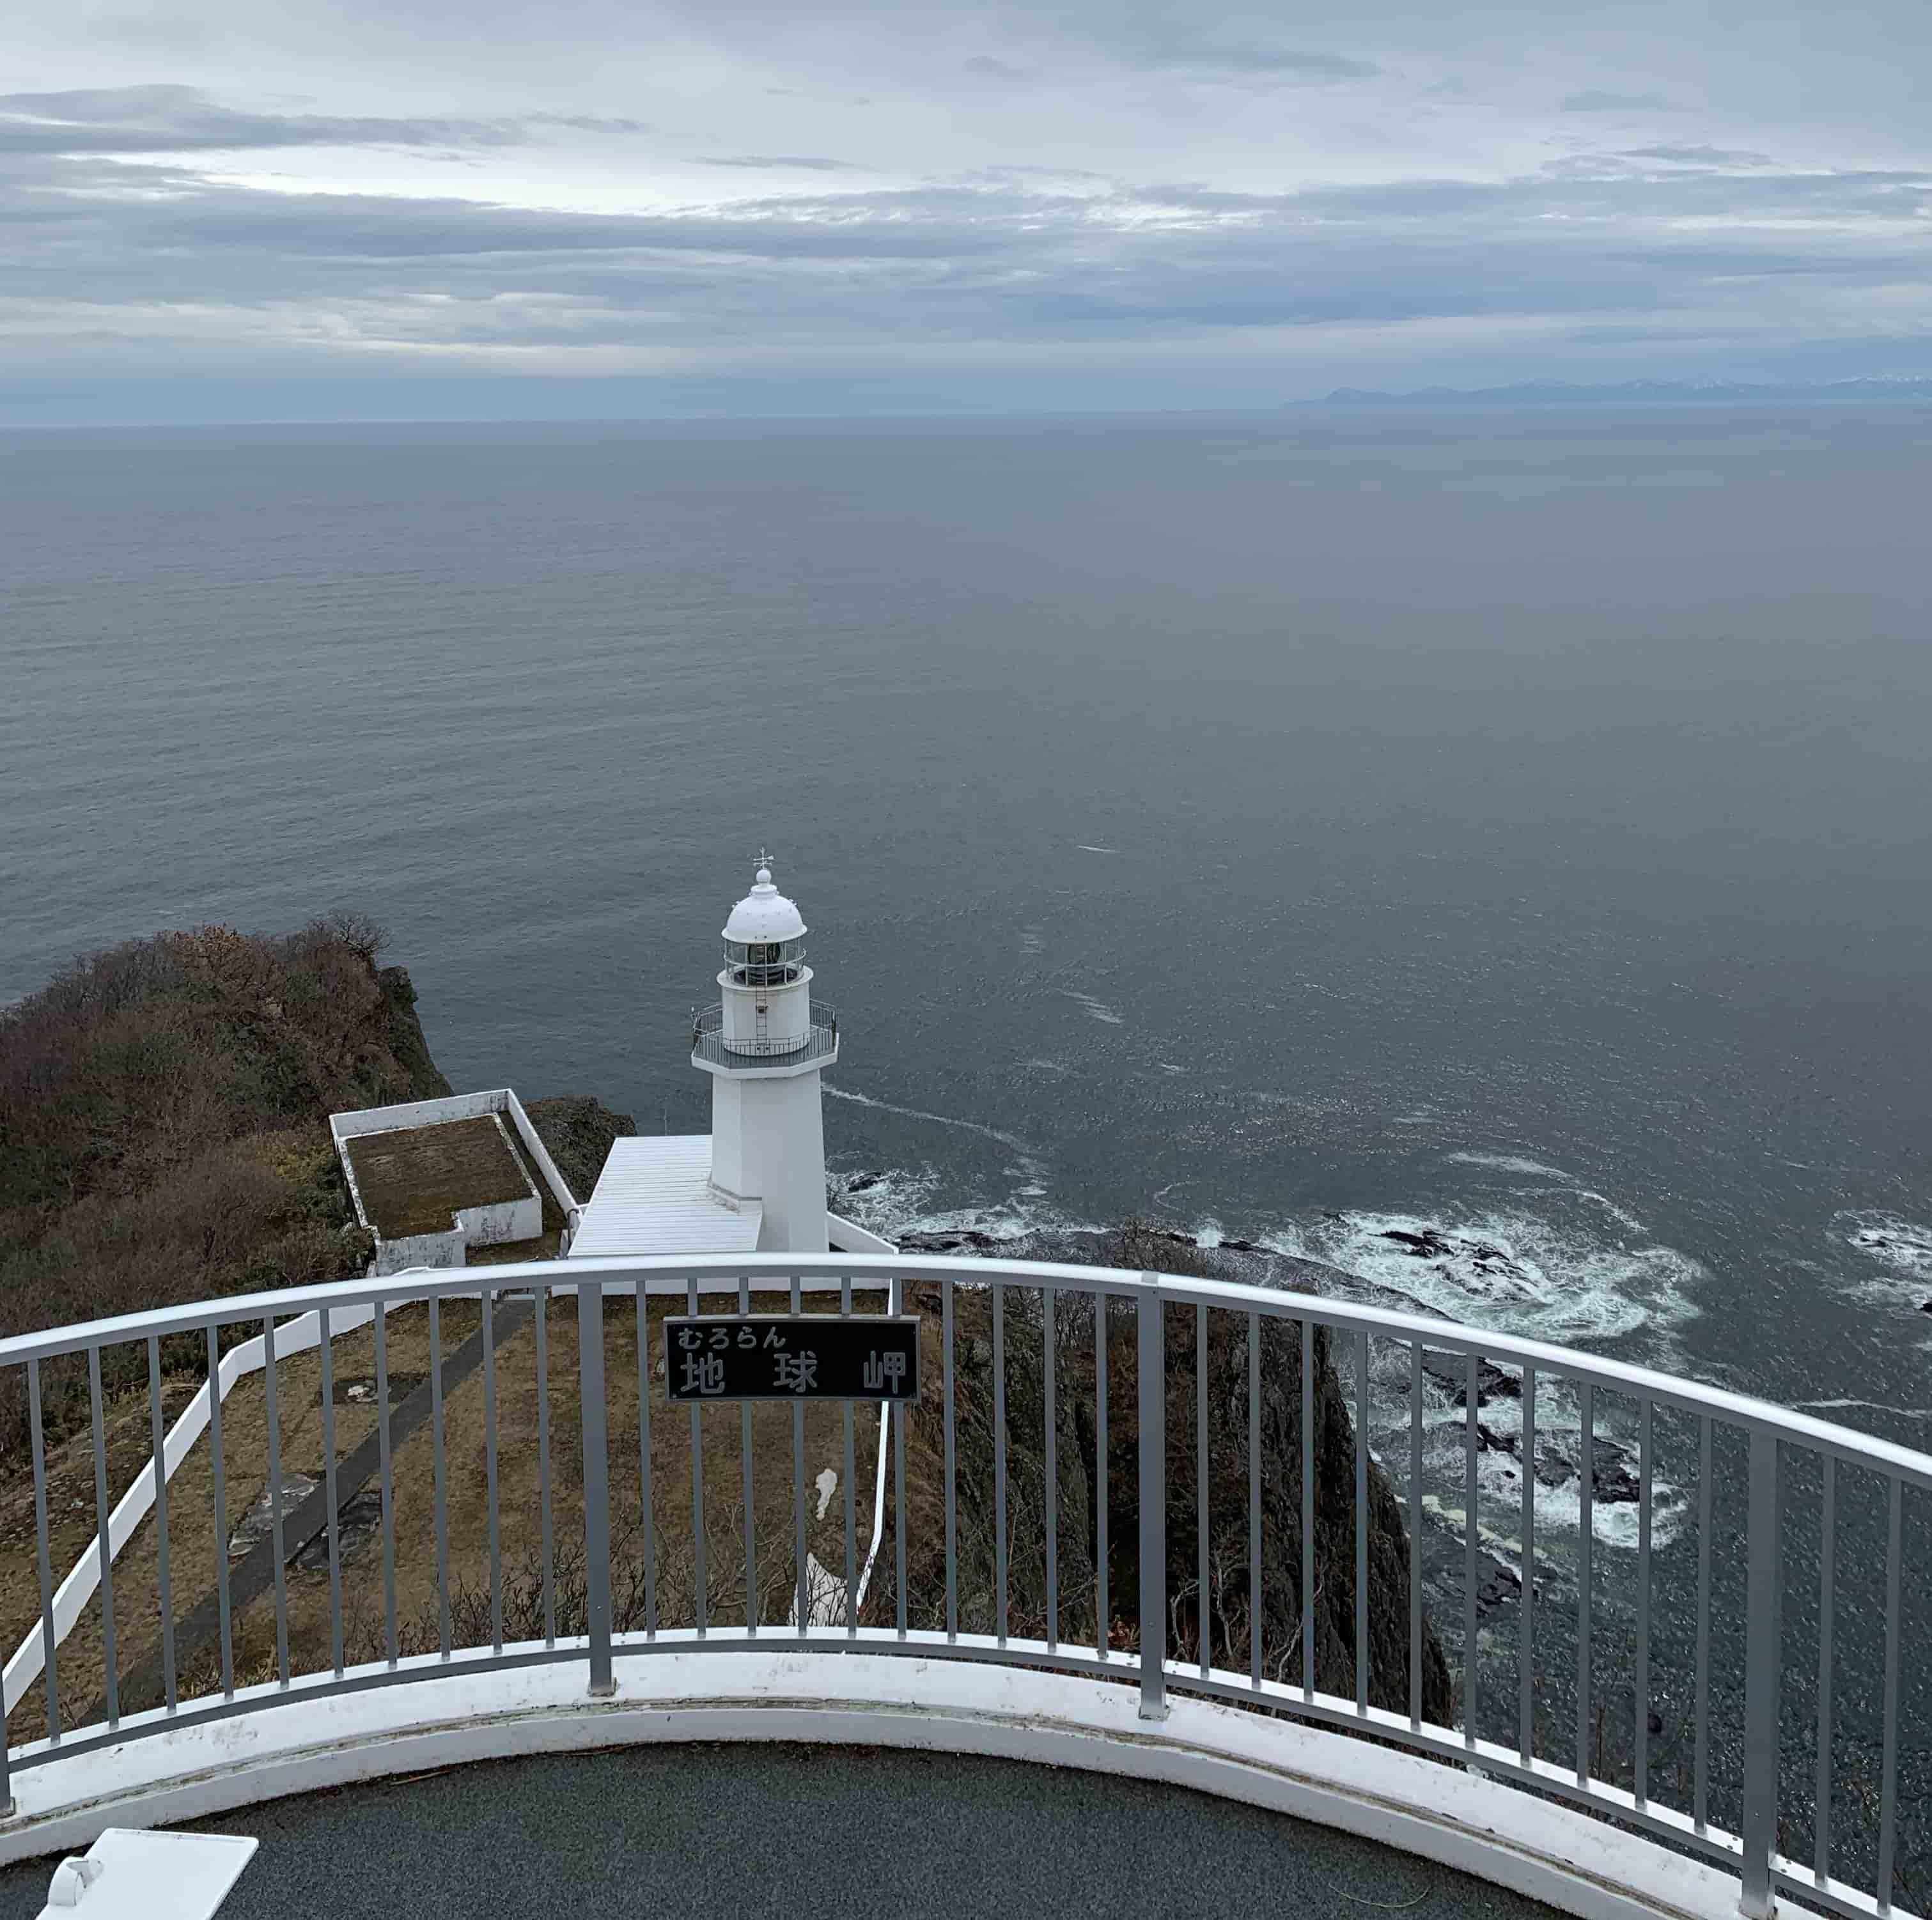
(764, 1045)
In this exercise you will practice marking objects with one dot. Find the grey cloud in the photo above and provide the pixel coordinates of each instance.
(1270, 65)
(1590, 100)
(1699, 155)
(180, 119)
(1012, 262)
(983, 66)
(811, 162)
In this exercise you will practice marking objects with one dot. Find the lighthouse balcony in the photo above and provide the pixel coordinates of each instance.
(711, 1049)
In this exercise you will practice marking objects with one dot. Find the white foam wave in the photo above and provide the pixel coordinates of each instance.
(1095, 1009)
(1006, 1139)
(1508, 1269)
(1901, 1248)
(1621, 1215)
(1504, 1163)
(1084, 848)
(1876, 1405)
(1558, 1510)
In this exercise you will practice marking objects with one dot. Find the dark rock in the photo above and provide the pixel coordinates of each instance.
(1223, 1617)
(1450, 1371)
(1613, 1482)
(578, 1131)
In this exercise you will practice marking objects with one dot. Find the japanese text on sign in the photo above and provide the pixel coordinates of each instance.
(819, 1356)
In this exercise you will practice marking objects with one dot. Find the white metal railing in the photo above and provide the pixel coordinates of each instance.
(709, 1041)
(1802, 1719)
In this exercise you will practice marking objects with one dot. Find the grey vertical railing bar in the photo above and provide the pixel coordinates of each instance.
(1700, 1794)
(1894, 1629)
(546, 1524)
(1828, 1556)
(1645, 1500)
(802, 1571)
(749, 1489)
(1470, 1543)
(158, 1429)
(324, 1346)
(1048, 1368)
(697, 1486)
(1204, 1626)
(49, 1645)
(596, 1483)
(1525, 1671)
(1254, 1501)
(1102, 1609)
(100, 1514)
(440, 1475)
(641, 1303)
(1307, 1501)
(851, 1490)
(490, 1469)
(999, 1462)
(1415, 1534)
(1362, 1521)
(223, 1604)
(1585, 1579)
(270, 1370)
(899, 1485)
(1151, 1380)
(1763, 1661)
(952, 1488)
(392, 1637)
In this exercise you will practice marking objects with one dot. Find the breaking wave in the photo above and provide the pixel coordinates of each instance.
(1505, 1163)
(1901, 1249)
(1558, 1279)
(1097, 1010)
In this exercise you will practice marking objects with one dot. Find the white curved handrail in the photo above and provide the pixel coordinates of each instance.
(671, 1274)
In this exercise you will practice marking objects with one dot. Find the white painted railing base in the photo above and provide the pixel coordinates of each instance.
(1567, 1859)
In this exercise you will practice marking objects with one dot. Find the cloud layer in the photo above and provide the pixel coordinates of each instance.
(1163, 200)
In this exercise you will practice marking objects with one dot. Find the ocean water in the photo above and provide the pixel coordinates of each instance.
(1307, 828)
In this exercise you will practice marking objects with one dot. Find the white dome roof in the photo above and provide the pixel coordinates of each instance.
(764, 914)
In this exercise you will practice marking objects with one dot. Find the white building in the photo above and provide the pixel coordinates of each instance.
(756, 1182)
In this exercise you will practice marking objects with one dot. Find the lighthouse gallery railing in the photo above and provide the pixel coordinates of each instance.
(1756, 1593)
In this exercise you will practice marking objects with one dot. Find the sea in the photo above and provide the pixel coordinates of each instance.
(1305, 828)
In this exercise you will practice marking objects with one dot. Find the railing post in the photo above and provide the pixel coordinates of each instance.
(1153, 1372)
(1763, 1669)
(596, 1484)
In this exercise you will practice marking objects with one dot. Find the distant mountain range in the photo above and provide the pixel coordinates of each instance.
(1888, 387)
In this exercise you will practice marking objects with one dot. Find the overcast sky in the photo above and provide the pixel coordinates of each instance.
(408, 208)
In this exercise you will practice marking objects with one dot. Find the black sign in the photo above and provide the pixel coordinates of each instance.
(784, 1356)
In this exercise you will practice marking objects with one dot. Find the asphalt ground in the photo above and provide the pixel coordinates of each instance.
(806, 1831)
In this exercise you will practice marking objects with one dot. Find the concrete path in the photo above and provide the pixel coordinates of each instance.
(829, 1833)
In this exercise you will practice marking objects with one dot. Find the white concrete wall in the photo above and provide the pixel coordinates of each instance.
(847, 1237)
(475, 1227)
(417, 1113)
(788, 1008)
(500, 1221)
(785, 1152)
(728, 1171)
(539, 1155)
(913, 1700)
(421, 1250)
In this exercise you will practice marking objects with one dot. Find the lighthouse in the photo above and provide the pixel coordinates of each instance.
(756, 1182)
(765, 1045)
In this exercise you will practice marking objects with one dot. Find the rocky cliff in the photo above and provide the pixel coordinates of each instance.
(1226, 1613)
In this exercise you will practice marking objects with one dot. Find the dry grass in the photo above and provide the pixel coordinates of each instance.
(415, 1179)
(193, 1544)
